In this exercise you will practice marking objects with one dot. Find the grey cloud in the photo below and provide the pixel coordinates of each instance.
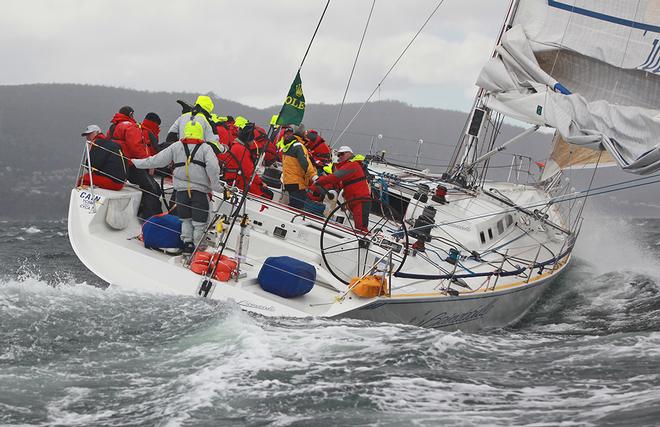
(248, 50)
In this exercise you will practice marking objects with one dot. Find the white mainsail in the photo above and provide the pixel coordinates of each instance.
(590, 69)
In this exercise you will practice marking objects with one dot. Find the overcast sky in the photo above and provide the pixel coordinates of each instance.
(249, 50)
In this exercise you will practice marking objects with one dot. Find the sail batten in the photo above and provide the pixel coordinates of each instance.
(606, 53)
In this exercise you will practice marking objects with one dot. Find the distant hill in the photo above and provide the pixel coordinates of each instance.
(40, 127)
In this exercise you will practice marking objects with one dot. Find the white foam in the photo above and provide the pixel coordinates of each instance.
(31, 229)
(59, 413)
(610, 244)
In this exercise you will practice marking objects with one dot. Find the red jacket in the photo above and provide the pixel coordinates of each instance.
(239, 158)
(260, 142)
(150, 132)
(127, 133)
(226, 132)
(319, 150)
(348, 176)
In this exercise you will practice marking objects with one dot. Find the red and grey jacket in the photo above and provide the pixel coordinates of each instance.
(150, 132)
(348, 176)
(125, 131)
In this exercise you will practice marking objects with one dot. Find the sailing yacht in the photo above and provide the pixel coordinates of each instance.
(453, 250)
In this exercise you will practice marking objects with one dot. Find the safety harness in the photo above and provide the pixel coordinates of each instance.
(190, 158)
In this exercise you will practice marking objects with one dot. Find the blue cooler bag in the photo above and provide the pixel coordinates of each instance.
(286, 276)
(162, 231)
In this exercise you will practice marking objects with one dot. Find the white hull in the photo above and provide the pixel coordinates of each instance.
(120, 259)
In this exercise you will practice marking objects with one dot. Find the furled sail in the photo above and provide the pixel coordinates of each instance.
(569, 156)
(588, 68)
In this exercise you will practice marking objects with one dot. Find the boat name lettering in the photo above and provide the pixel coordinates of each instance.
(90, 197)
(89, 200)
(446, 319)
(255, 306)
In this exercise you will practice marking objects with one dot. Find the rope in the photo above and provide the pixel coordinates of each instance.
(350, 77)
(387, 74)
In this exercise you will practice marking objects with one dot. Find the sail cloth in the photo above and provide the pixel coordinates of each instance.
(590, 69)
(569, 156)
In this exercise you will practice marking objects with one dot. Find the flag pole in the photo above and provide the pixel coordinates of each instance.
(295, 91)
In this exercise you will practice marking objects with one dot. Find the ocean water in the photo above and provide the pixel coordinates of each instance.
(75, 353)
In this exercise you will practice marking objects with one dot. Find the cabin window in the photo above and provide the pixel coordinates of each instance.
(482, 236)
(490, 233)
(509, 220)
(500, 227)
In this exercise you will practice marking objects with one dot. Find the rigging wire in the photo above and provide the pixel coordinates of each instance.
(388, 73)
(314, 35)
(561, 199)
(350, 77)
(590, 192)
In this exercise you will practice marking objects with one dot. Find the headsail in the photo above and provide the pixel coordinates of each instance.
(590, 69)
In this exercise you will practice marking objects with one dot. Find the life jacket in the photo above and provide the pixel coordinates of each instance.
(190, 158)
(359, 158)
(353, 181)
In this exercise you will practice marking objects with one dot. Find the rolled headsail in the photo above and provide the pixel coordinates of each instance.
(588, 68)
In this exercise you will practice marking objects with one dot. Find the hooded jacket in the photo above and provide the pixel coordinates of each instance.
(180, 123)
(150, 132)
(318, 149)
(201, 178)
(239, 168)
(127, 133)
(297, 168)
(261, 143)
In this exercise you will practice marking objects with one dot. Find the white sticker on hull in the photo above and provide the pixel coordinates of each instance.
(88, 200)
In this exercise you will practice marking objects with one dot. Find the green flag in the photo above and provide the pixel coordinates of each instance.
(293, 110)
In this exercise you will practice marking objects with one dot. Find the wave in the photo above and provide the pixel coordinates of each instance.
(612, 285)
(91, 356)
(31, 229)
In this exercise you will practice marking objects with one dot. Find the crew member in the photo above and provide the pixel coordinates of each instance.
(239, 164)
(109, 166)
(348, 175)
(150, 131)
(298, 171)
(227, 131)
(201, 113)
(126, 132)
(196, 174)
(261, 142)
(318, 149)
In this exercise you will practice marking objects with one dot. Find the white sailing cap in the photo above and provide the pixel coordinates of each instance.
(90, 129)
(345, 149)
